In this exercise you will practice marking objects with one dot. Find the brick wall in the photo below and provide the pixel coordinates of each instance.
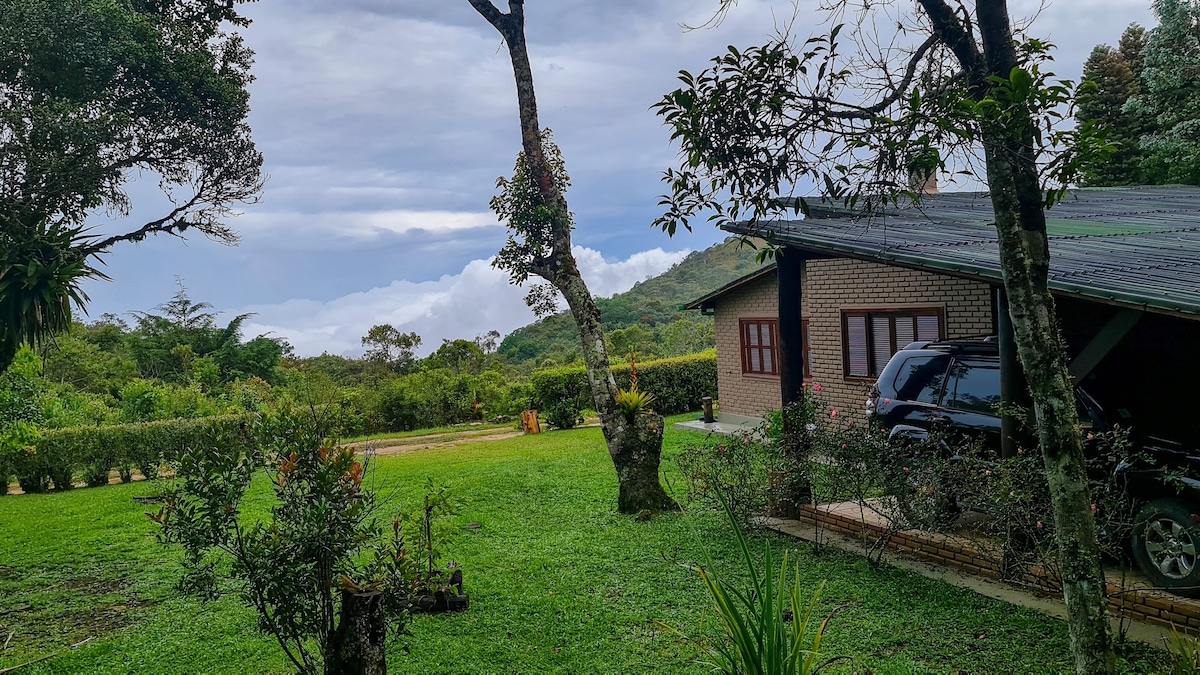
(829, 286)
(843, 283)
(740, 394)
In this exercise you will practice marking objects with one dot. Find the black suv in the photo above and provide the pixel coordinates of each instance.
(957, 384)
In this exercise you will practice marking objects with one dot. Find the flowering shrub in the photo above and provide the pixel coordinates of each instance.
(320, 570)
(733, 468)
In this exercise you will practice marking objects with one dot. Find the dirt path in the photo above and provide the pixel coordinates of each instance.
(400, 446)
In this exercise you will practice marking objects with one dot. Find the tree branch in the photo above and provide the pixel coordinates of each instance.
(498, 19)
(951, 32)
(172, 223)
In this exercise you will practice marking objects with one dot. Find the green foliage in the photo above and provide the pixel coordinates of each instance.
(320, 547)
(677, 384)
(733, 471)
(96, 92)
(93, 452)
(147, 401)
(389, 349)
(634, 402)
(769, 628)
(652, 306)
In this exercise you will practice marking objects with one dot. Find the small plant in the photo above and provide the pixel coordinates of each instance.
(734, 470)
(435, 586)
(632, 401)
(770, 628)
(327, 582)
(1184, 655)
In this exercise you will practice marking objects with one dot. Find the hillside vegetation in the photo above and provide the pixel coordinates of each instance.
(646, 318)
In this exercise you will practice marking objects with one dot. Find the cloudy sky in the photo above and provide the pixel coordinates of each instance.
(384, 124)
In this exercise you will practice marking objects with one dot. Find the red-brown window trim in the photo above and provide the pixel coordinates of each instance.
(893, 312)
(746, 348)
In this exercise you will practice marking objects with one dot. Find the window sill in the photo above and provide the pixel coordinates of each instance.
(760, 376)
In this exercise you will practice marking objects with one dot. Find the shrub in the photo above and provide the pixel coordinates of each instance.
(733, 470)
(677, 384)
(327, 582)
(769, 627)
(95, 451)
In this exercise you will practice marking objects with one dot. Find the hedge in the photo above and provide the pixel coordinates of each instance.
(59, 455)
(678, 383)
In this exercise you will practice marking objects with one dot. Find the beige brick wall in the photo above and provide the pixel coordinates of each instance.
(830, 286)
(737, 393)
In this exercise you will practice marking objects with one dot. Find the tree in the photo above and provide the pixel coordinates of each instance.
(92, 93)
(1103, 104)
(1167, 97)
(534, 205)
(954, 88)
(389, 348)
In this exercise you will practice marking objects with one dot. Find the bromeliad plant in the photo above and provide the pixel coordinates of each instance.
(632, 401)
(328, 583)
(770, 628)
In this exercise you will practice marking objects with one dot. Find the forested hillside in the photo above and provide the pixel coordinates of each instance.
(646, 318)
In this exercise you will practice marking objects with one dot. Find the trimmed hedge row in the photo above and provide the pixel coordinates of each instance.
(678, 383)
(60, 455)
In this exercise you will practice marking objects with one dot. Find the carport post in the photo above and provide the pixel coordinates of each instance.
(1012, 378)
(789, 272)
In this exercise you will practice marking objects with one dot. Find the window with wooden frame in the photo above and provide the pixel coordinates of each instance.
(760, 346)
(870, 337)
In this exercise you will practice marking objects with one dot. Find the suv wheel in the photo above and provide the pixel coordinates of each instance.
(1166, 546)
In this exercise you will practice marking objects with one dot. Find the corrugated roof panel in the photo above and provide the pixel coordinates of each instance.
(1138, 246)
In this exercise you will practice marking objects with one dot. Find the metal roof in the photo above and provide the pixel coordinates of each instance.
(1137, 246)
(699, 303)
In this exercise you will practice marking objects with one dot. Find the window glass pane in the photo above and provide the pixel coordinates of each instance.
(755, 361)
(768, 361)
(752, 330)
(856, 346)
(975, 386)
(929, 327)
(767, 337)
(881, 342)
(920, 378)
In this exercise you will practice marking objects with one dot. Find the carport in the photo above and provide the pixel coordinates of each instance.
(1125, 272)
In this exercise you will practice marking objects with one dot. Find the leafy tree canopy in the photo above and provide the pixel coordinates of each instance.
(92, 93)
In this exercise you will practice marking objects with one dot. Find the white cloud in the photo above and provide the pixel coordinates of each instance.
(474, 301)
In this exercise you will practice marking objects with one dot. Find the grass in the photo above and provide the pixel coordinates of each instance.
(558, 581)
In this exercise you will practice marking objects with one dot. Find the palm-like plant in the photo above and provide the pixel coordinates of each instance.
(771, 629)
(42, 268)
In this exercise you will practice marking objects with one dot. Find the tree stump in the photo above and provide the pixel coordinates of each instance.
(359, 644)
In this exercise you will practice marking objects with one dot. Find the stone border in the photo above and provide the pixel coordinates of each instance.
(1132, 600)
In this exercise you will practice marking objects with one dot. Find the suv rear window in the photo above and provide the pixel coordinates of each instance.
(920, 378)
(974, 386)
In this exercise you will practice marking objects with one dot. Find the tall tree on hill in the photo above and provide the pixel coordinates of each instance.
(1168, 98)
(534, 205)
(93, 92)
(1113, 83)
(953, 85)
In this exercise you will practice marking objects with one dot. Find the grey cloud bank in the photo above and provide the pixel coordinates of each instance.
(384, 124)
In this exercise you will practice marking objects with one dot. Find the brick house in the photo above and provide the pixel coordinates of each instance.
(1125, 275)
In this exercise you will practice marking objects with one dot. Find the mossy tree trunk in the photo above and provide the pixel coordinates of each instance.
(635, 449)
(358, 646)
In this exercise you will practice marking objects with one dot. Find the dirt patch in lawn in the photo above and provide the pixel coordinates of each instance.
(400, 446)
(38, 620)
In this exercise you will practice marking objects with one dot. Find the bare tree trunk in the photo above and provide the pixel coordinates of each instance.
(359, 644)
(634, 455)
(1025, 261)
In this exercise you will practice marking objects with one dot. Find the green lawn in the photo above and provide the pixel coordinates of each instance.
(558, 582)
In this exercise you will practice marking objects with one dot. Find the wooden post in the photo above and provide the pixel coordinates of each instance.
(529, 421)
(708, 409)
(789, 272)
(1012, 380)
